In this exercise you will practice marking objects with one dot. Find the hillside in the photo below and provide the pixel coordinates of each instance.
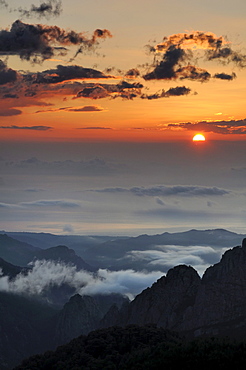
(140, 348)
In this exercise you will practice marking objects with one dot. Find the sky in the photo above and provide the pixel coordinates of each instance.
(99, 103)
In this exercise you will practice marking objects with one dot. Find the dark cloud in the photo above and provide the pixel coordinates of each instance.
(225, 76)
(161, 190)
(220, 127)
(46, 9)
(165, 70)
(36, 43)
(64, 73)
(95, 128)
(9, 112)
(193, 73)
(227, 55)
(132, 73)
(123, 89)
(10, 96)
(173, 91)
(86, 108)
(180, 49)
(35, 128)
(7, 74)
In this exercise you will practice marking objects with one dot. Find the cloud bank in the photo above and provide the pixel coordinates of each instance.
(46, 274)
(162, 190)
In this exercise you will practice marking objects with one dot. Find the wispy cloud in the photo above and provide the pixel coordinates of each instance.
(85, 108)
(9, 112)
(161, 190)
(33, 128)
(46, 9)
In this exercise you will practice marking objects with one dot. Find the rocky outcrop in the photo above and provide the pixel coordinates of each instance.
(182, 301)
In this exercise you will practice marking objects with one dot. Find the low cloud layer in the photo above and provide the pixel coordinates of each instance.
(46, 274)
(90, 167)
(168, 256)
(161, 190)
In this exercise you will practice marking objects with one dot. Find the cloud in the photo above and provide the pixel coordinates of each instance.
(38, 42)
(168, 256)
(182, 48)
(96, 128)
(173, 91)
(68, 229)
(132, 73)
(123, 89)
(45, 274)
(34, 128)
(43, 203)
(225, 76)
(7, 75)
(52, 203)
(86, 108)
(161, 190)
(221, 127)
(46, 9)
(64, 73)
(8, 113)
(90, 167)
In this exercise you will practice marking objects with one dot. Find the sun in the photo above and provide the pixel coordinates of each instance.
(199, 137)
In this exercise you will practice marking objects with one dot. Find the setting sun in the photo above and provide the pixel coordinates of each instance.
(199, 137)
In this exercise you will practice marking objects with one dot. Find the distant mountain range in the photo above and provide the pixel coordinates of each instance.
(115, 252)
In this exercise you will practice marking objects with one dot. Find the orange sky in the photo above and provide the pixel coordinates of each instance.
(106, 86)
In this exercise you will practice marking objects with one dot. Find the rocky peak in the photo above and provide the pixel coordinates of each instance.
(164, 303)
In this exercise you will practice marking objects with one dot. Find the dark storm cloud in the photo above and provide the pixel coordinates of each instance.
(7, 74)
(162, 190)
(220, 127)
(35, 43)
(35, 128)
(10, 112)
